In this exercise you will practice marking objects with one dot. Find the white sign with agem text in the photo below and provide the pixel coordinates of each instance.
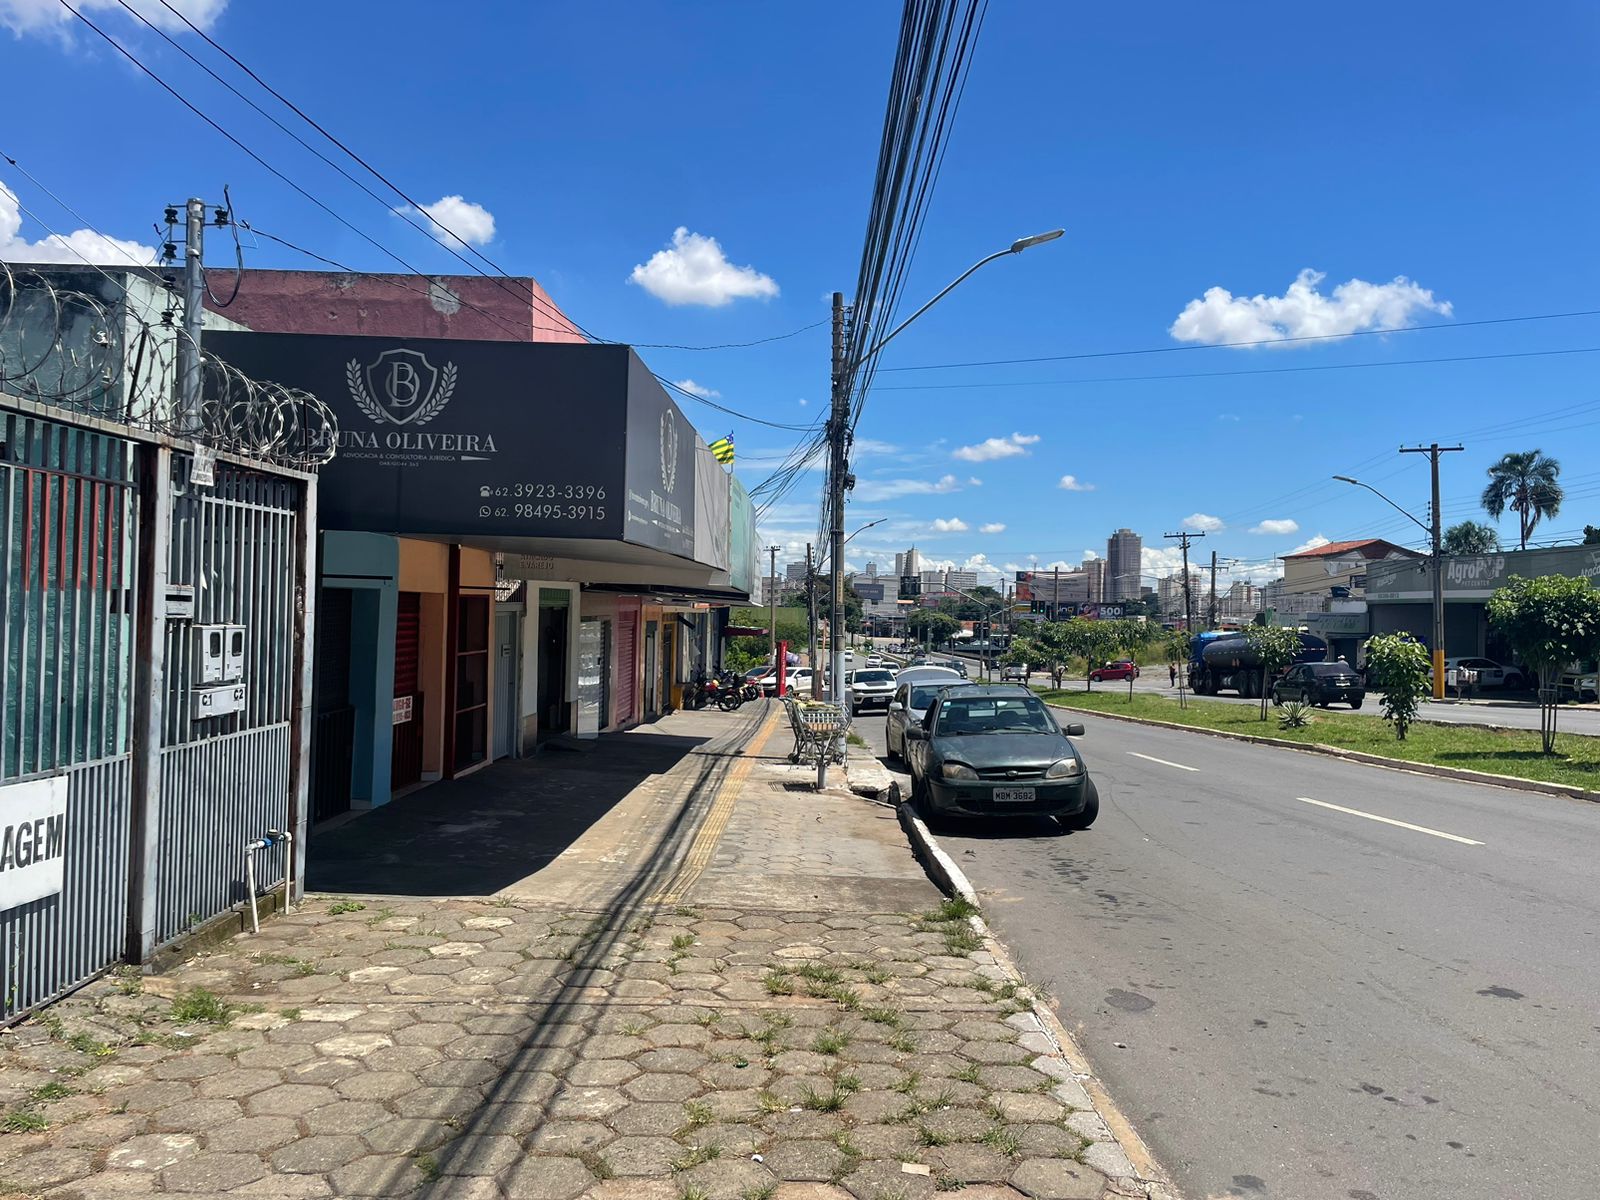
(33, 840)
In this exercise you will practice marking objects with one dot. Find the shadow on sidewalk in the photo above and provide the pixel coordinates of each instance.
(474, 836)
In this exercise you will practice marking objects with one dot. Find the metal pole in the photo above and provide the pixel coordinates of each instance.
(838, 433)
(811, 624)
(1212, 620)
(1437, 537)
(194, 288)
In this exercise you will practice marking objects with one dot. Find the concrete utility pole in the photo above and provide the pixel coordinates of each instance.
(772, 602)
(839, 484)
(1212, 618)
(1055, 596)
(1184, 539)
(811, 622)
(1433, 451)
(194, 291)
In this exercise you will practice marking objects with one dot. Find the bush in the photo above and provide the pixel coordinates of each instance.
(1398, 666)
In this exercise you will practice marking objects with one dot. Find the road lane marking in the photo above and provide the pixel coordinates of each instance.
(1356, 812)
(1162, 761)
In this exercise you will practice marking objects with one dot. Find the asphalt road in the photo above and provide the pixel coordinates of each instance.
(1581, 719)
(1290, 1000)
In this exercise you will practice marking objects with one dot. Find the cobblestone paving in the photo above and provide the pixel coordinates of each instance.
(492, 1049)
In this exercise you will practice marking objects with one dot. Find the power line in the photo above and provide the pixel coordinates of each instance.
(1402, 362)
(779, 337)
(1284, 341)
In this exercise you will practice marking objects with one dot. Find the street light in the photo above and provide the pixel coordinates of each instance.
(1438, 578)
(840, 412)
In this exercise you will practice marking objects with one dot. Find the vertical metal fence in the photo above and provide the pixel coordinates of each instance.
(68, 523)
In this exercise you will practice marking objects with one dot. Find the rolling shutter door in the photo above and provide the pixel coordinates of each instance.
(627, 635)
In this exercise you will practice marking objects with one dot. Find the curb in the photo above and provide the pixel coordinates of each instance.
(1461, 774)
(1130, 1168)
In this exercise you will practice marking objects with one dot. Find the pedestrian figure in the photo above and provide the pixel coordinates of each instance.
(1172, 674)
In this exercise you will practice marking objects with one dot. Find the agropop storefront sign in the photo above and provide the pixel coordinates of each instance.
(489, 439)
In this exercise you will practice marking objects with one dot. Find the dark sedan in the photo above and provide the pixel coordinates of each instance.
(997, 751)
(1322, 683)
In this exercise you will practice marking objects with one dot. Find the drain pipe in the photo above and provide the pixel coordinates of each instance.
(266, 842)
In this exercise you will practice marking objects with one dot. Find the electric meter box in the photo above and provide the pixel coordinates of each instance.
(210, 659)
(233, 654)
(218, 654)
(216, 701)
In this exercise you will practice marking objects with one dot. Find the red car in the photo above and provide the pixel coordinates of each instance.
(1122, 669)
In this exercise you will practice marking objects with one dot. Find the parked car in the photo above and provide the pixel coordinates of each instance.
(997, 751)
(1322, 683)
(914, 691)
(1015, 672)
(870, 687)
(797, 679)
(1490, 673)
(1121, 669)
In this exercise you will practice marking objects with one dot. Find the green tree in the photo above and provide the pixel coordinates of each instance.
(1591, 535)
(1276, 647)
(1128, 637)
(1400, 668)
(1526, 483)
(932, 626)
(1470, 537)
(1549, 622)
(1046, 645)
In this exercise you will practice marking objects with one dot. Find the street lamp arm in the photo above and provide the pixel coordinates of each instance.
(1346, 479)
(1016, 247)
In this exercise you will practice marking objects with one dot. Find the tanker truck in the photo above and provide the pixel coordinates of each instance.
(1225, 661)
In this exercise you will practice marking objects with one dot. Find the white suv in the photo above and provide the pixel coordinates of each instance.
(870, 687)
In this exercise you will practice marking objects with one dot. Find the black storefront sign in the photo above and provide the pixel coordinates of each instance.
(499, 440)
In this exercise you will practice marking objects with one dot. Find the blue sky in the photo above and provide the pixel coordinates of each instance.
(1184, 148)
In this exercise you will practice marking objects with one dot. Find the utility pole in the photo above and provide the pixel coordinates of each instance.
(838, 485)
(1184, 539)
(1055, 596)
(1212, 619)
(772, 601)
(1433, 451)
(194, 290)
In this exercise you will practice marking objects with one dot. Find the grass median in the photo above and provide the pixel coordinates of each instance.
(1514, 752)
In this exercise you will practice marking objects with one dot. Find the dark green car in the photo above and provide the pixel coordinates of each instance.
(997, 751)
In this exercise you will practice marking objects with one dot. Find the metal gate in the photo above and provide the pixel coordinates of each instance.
(68, 522)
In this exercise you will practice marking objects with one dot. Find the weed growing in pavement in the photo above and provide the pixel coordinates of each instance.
(339, 907)
(847, 1083)
(54, 1090)
(759, 1192)
(954, 908)
(708, 1018)
(891, 1194)
(687, 910)
(931, 1137)
(968, 1073)
(962, 940)
(813, 972)
(948, 1183)
(694, 1193)
(903, 1042)
(289, 1014)
(85, 1043)
(698, 1113)
(777, 984)
(846, 998)
(830, 1041)
(695, 1155)
(198, 1004)
(883, 1016)
(501, 901)
(852, 1156)
(829, 1101)
(682, 941)
(427, 1164)
(635, 1028)
(778, 1020)
(770, 1102)
(597, 1164)
(1001, 1140)
(908, 1085)
(878, 976)
(128, 980)
(23, 1120)
(644, 924)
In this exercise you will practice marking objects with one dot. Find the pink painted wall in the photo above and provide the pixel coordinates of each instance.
(512, 309)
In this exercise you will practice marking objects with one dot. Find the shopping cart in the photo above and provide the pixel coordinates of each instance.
(819, 732)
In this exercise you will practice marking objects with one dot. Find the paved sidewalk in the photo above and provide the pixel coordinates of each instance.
(722, 987)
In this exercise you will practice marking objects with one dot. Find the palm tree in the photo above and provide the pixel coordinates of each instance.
(1525, 483)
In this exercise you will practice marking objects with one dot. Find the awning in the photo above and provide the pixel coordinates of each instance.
(743, 631)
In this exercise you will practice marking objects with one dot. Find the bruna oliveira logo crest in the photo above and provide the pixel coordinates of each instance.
(400, 387)
(669, 451)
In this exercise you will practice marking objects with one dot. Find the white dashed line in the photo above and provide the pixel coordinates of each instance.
(1162, 761)
(1356, 812)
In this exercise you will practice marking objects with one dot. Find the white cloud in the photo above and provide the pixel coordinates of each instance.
(1277, 527)
(861, 446)
(472, 223)
(1071, 483)
(1227, 416)
(50, 16)
(996, 447)
(992, 527)
(1204, 522)
(1161, 560)
(699, 389)
(73, 247)
(974, 481)
(949, 525)
(695, 271)
(1088, 554)
(893, 489)
(804, 402)
(1310, 544)
(1302, 311)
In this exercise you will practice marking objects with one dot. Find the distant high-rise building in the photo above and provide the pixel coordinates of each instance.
(961, 580)
(1170, 591)
(913, 563)
(899, 564)
(1123, 551)
(1094, 570)
(795, 574)
(871, 570)
(932, 581)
